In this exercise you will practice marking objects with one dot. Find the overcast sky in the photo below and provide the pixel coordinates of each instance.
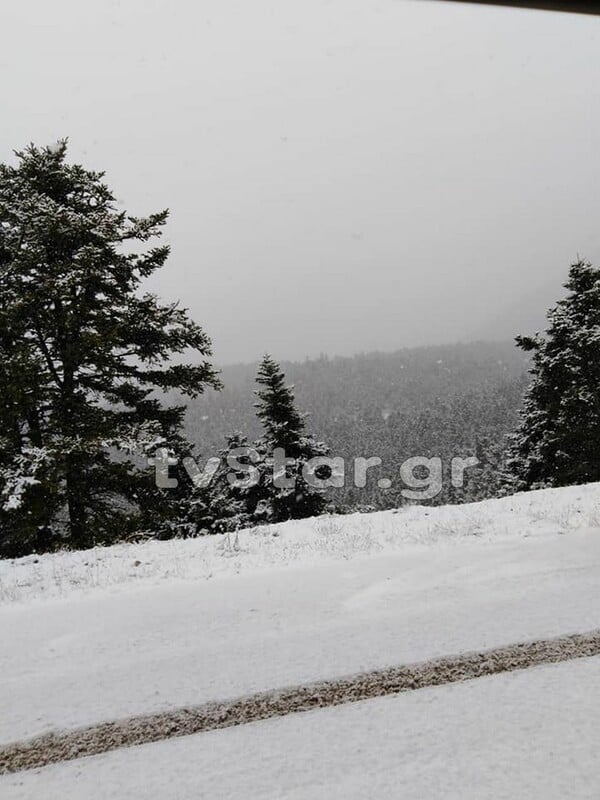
(342, 176)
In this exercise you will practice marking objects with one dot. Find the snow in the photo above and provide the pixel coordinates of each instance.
(19, 476)
(305, 542)
(138, 628)
(530, 734)
(323, 598)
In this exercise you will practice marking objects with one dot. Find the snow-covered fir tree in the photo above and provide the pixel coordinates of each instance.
(253, 485)
(82, 354)
(558, 440)
(285, 431)
(235, 497)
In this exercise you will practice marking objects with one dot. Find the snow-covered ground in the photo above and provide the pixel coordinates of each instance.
(112, 632)
(530, 735)
(303, 542)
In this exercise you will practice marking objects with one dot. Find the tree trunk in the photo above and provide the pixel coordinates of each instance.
(78, 533)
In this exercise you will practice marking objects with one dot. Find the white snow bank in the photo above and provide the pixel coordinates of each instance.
(299, 542)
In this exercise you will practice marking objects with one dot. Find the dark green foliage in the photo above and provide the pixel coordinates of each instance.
(241, 504)
(285, 431)
(275, 408)
(247, 489)
(451, 400)
(82, 354)
(558, 440)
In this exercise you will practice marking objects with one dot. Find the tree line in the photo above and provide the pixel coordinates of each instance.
(438, 401)
(98, 376)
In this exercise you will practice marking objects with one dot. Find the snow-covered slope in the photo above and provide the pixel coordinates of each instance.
(305, 542)
(112, 632)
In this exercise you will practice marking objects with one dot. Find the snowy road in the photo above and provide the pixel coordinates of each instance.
(521, 736)
(104, 737)
(102, 656)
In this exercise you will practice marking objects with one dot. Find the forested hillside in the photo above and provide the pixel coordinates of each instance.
(441, 401)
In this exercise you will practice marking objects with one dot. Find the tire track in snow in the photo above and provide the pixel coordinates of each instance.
(101, 738)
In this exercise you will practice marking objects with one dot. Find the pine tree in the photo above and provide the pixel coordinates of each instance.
(284, 426)
(83, 353)
(285, 430)
(558, 440)
(235, 500)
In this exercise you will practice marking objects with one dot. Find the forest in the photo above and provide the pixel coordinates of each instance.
(445, 401)
(109, 394)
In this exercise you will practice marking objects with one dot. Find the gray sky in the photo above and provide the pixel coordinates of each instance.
(342, 176)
